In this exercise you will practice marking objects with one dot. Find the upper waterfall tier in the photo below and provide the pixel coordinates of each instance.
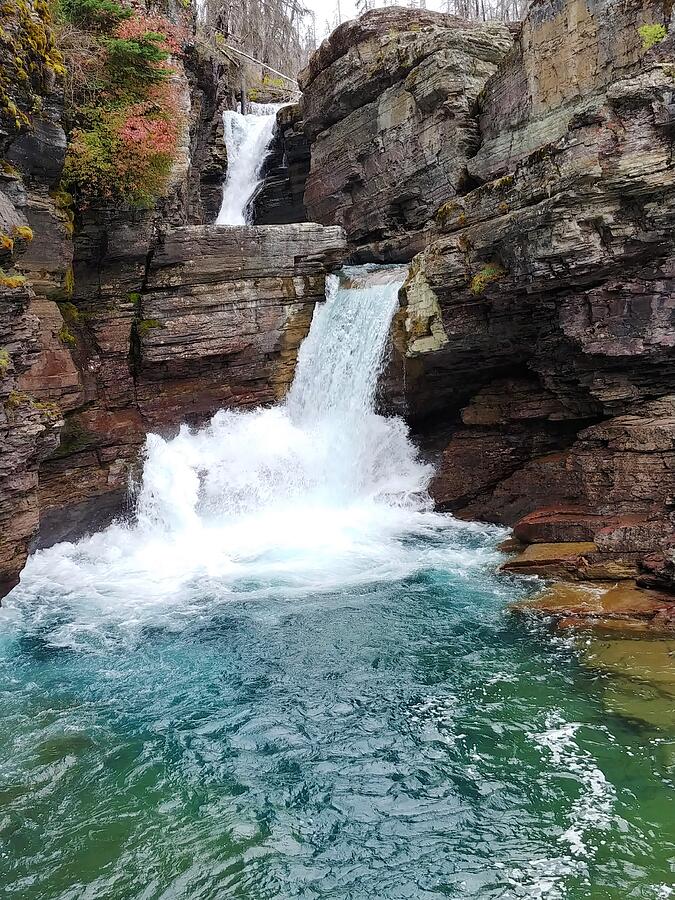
(247, 138)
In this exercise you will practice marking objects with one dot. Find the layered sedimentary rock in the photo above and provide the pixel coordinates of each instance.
(281, 200)
(534, 349)
(223, 313)
(28, 431)
(540, 321)
(35, 255)
(212, 319)
(388, 105)
(608, 610)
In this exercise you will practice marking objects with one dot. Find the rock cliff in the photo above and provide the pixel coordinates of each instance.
(388, 105)
(554, 281)
(281, 199)
(534, 348)
(35, 255)
(209, 317)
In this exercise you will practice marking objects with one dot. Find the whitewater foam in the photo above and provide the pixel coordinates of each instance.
(315, 494)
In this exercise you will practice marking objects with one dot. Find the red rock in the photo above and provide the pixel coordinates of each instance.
(554, 524)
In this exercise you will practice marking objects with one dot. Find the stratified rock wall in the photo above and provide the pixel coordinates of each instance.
(281, 198)
(212, 319)
(534, 351)
(223, 313)
(388, 106)
(35, 255)
(551, 291)
(28, 431)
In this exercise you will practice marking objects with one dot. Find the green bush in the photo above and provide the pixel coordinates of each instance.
(123, 110)
(93, 15)
(651, 35)
(132, 63)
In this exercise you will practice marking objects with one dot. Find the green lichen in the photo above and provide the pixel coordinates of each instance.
(487, 275)
(49, 412)
(5, 362)
(70, 312)
(66, 336)
(65, 204)
(451, 214)
(6, 242)
(497, 186)
(11, 281)
(22, 233)
(15, 400)
(69, 282)
(30, 60)
(501, 184)
(273, 81)
(652, 35)
(146, 325)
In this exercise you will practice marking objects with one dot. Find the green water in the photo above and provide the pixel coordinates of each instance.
(404, 739)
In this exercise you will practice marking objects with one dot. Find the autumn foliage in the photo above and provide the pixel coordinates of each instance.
(125, 116)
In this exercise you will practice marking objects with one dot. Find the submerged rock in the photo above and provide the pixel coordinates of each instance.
(641, 685)
(580, 560)
(616, 609)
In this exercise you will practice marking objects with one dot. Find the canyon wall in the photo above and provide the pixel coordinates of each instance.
(118, 318)
(35, 256)
(388, 106)
(208, 318)
(535, 348)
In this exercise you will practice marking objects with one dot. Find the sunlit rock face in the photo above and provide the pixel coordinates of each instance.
(388, 106)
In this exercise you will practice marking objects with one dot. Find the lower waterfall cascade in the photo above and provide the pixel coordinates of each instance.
(288, 676)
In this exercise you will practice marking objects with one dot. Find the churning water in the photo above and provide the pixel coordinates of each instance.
(247, 138)
(290, 678)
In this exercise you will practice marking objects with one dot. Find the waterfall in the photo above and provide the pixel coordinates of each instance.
(323, 449)
(247, 139)
(315, 493)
